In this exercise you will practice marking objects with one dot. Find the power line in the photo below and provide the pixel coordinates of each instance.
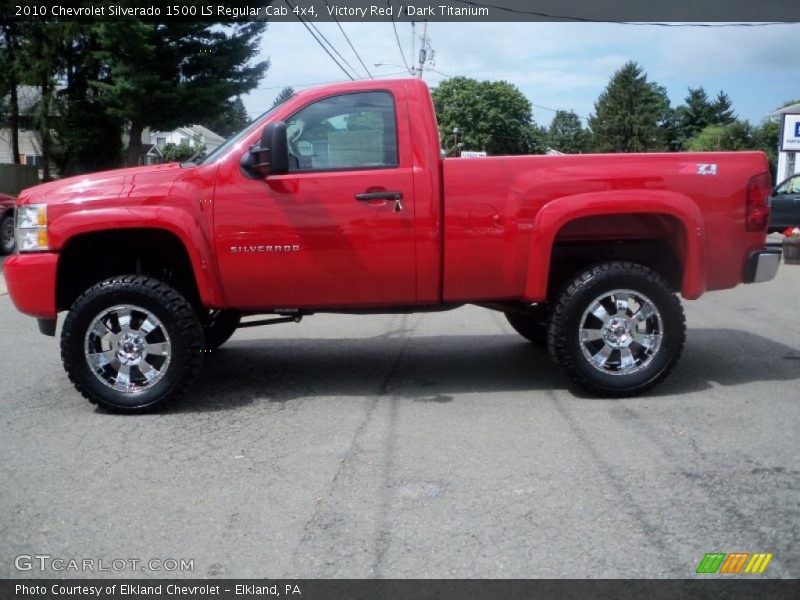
(397, 37)
(558, 110)
(358, 56)
(332, 47)
(440, 73)
(640, 23)
(299, 18)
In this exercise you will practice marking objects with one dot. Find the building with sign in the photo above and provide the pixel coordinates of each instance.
(789, 148)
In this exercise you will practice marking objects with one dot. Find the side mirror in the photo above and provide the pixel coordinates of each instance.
(271, 156)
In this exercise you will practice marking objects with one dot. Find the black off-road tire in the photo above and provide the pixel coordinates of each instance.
(218, 327)
(6, 228)
(532, 326)
(565, 321)
(175, 314)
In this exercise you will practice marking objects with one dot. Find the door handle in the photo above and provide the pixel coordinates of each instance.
(366, 196)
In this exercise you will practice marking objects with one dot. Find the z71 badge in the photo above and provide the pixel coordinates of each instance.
(706, 169)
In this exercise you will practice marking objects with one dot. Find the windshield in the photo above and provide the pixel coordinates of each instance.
(222, 149)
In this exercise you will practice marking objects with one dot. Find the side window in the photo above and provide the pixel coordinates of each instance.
(790, 186)
(350, 131)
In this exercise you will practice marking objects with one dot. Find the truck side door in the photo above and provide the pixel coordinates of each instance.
(338, 229)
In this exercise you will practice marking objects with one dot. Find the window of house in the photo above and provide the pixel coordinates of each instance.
(34, 160)
(161, 142)
(350, 131)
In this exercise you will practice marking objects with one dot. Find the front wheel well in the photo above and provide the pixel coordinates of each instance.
(93, 257)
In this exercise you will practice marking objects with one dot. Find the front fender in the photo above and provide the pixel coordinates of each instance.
(554, 215)
(168, 218)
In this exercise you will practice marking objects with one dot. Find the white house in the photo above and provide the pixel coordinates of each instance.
(30, 140)
(194, 135)
(788, 163)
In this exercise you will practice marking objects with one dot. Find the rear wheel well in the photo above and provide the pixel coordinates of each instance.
(653, 240)
(93, 257)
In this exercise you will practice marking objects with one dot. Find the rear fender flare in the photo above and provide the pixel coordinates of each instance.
(554, 215)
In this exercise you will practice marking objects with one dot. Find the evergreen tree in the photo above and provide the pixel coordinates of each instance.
(283, 96)
(698, 113)
(9, 79)
(88, 137)
(629, 113)
(722, 110)
(171, 73)
(40, 54)
(233, 119)
(566, 133)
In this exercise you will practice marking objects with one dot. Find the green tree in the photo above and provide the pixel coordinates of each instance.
(536, 138)
(283, 96)
(170, 73)
(735, 136)
(722, 110)
(493, 116)
(630, 112)
(766, 137)
(9, 79)
(567, 134)
(40, 53)
(698, 113)
(87, 136)
(182, 151)
(233, 119)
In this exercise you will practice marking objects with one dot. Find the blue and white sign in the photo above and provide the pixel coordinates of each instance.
(790, 136)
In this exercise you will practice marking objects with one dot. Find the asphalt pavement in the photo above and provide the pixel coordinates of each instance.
(428, 445)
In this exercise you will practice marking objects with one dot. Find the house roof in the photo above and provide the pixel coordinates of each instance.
(792, 109)
(196, 131)
(208, 135)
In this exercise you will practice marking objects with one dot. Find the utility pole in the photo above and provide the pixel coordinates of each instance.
(423, 50)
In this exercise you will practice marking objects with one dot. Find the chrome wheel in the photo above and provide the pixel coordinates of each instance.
(7, 235)
(127, 348)
(620, 332)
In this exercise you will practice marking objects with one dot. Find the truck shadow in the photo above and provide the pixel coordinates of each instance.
(434, 368)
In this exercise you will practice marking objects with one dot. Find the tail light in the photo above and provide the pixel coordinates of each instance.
(758, 190)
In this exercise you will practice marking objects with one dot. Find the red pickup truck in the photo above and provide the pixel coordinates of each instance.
(339, 200)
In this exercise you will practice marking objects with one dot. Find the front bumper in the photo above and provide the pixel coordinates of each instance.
(31, 282)
(762, 265)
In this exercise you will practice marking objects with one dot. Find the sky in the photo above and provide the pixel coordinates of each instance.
(556, 65)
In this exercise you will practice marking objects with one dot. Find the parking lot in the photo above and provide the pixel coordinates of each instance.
(429, 445)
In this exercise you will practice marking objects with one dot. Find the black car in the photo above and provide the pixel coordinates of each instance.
(785, 205)
(7, 243)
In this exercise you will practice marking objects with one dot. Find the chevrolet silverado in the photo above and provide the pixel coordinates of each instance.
(339, 200)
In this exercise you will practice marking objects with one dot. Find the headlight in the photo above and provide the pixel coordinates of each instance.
(31, 231)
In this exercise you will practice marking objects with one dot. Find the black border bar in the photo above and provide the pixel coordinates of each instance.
(733, 587)
(666, 12)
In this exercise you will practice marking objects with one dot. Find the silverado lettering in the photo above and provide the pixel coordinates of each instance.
(584, 254)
